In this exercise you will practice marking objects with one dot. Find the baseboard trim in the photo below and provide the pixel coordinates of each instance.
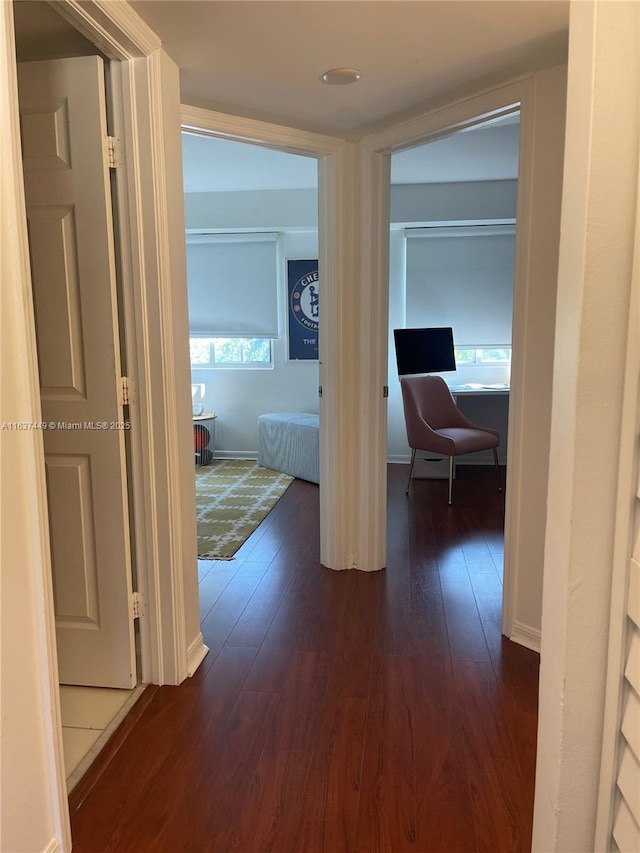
(52, 847)
(196, 653)
(236, 454)
(526, 636)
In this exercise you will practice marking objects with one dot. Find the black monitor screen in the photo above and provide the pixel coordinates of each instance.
(424, 350)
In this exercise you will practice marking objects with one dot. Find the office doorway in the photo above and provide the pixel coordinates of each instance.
(533, 314)
(452, 263)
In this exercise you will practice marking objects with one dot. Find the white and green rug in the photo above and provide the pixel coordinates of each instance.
(232, 497)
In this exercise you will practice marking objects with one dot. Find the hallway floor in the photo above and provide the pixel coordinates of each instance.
(339, 711)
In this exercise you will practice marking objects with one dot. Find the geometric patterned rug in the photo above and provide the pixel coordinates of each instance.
(232, 498)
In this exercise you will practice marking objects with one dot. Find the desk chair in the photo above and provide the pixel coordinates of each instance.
(436, 425)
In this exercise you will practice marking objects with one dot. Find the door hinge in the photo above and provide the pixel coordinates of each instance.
(319, 390)
(138, 605)
(126, 391)
(113, 148)
(385, 391)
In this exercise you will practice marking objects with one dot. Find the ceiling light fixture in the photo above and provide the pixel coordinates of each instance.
(340, 76)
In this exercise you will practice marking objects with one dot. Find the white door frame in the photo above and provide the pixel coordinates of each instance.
(168, 655)
(338, 407)
(376, 155)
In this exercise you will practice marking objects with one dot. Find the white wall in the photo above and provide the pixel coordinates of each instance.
(410, 204)
(259, 209)
(33, 809)
(460, 202)
(599, 218)
(239, 396)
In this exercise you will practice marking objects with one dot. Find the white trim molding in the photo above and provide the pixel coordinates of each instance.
(526, 636)
(372, 308)
(152, 263)
(492, 230)
(341, 544)
(196, 653)
(339, 440)
(112, 25)
(265, 134)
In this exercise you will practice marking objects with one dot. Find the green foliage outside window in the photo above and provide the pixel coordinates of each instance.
(230, 352)
(483, 355)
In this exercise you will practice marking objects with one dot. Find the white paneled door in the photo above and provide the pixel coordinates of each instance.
(69, 213)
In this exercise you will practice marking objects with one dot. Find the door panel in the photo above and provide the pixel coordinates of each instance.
(65, 152)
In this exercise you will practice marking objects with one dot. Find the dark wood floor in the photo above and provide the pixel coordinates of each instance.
(338, 711)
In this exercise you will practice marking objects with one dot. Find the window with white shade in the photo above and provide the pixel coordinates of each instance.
(462, 276)
(232, 286)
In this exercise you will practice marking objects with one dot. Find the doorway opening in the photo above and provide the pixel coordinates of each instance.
(452, 264)
(524, 506)
(251, 217)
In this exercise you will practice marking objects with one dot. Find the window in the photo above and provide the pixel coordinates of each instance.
(232, 281)
(497, 355)
(462, 276)
(230, 352)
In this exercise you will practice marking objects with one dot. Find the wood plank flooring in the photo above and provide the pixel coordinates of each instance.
(338, 712)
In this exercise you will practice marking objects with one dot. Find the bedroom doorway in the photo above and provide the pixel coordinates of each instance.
(251, 216)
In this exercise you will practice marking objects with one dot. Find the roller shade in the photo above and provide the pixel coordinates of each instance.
(462, 277)
(232, 285)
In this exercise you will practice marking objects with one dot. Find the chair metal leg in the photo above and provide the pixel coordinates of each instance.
(413, 459)
(450, 478)
(495, 459)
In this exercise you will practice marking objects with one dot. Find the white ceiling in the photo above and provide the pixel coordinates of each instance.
(489, 153)
(264, 58)
(218, 165)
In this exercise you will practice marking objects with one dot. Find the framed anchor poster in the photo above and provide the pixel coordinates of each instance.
(303, 301)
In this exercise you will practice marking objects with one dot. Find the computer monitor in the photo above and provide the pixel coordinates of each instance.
(424, 350)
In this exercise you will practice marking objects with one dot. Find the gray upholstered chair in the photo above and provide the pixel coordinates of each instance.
(436, 425)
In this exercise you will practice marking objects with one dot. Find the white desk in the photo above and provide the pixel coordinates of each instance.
(475, 389)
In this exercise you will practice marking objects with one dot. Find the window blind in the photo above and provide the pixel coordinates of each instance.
(462, 277)
(232, 285)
